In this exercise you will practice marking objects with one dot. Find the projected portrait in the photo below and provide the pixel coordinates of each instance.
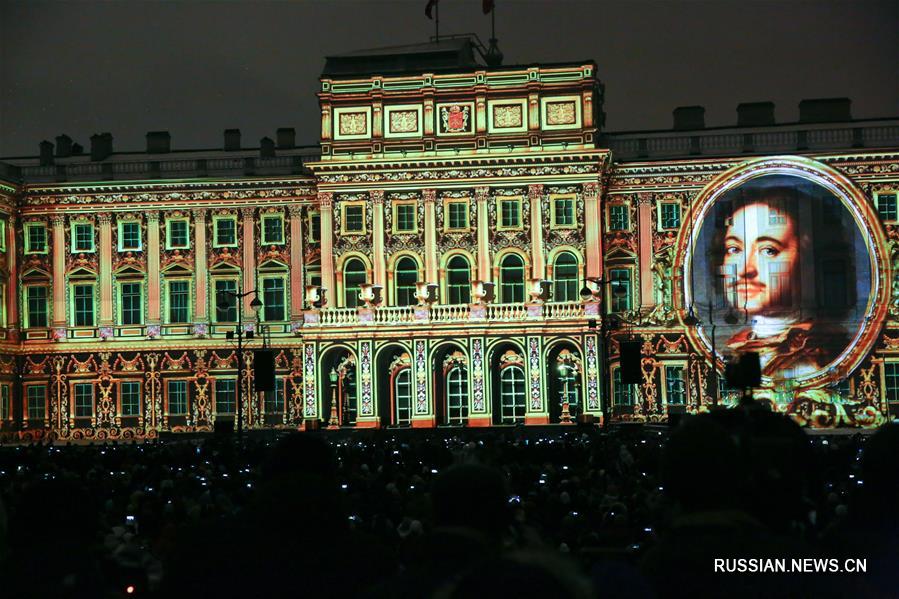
(781, 268)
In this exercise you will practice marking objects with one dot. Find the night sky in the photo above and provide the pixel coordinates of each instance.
(197, 68)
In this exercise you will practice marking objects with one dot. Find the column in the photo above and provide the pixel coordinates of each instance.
(153, 283)
(430, 198)
(538, 264)
(478, 411)
(592, 230)
(423, 412)
(106, 249)
(248, 243)
(326, 209)
(201, 285)
(482, 195)
(537, 409)
(296, 263)
(644, 236)
(12, 285)
(59, 271)
(379, 259)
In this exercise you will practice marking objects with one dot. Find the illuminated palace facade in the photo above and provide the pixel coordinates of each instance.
(465, 247)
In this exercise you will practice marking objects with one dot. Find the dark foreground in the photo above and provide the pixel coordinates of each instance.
(551, 513)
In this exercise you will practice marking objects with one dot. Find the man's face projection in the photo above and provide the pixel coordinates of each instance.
(761, 253)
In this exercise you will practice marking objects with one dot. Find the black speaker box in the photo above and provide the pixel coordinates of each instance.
(630, 363)
(223, 427)
(264, 370)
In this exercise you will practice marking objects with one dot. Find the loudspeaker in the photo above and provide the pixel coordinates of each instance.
(630, 363)
(264, 370)
(223, 427)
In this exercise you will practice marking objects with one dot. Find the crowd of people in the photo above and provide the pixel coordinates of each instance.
(568, 512)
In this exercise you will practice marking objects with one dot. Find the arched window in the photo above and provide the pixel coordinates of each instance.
(566, 278)
(511, 395)
(458, 286)
(402, 397)
(511, 279)
(353, 278)
(456, 395)
(405, 277)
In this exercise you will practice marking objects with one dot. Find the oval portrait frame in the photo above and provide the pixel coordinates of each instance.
(867, 224)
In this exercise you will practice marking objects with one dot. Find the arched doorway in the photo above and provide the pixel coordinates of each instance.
(338, 385)
(508, 384)
(450, 385)
(395, 388)
(564, 376)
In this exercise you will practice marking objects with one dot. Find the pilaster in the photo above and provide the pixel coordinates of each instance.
(326, 210)
(296, 263)
(201, 288)
(105, 220)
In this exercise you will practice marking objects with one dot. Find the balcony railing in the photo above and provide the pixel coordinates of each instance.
(388, 315)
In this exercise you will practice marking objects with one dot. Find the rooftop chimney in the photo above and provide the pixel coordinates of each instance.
(63, 146)
(77, 150)
(689, 117)
(287, 137)
(159, 142)
(232, 140)
(266, 147)
(825, 110)
(101, 146)
(755, 114)
(46, 153)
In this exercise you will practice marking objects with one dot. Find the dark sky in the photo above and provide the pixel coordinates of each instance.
(197, 68)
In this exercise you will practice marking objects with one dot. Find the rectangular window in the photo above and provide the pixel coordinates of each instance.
(891, 381)
(404, 218)
(179, 301)
(623, 395)
(887, 208)
(510, 213)
(225, 400)
(177, 237)
(37, 306)
(675, 386)
(273, 299)
(83, 237)
(35, 238)
(353, 218)
(225, 231)
(225, 300)
(177, 394)
(83, 305)
(457, 215)
(129, 236)
(274, 400)
(563, 212)
(272, 229)
(670, 215)
(37, 402)
(618, 218)
(132, 303)
(620, 289)
(315, 226)
(84, 400)
(130, 391)
(5, 406)
(3, 226)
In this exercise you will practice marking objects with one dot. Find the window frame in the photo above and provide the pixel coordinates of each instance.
(395, 206)
(268, 217)
(501, 299)
(121, 394)
(513, 419)
(884, 377)
(214, 298)
(500, 226)
(73, 233)
(121, 232)
(4, 227)
(218, 218)
(74, 395)
(5, 401)
(215, 403)
(554, 212)
(168, 394)
(447, 211)
(73, 308)
(627, 217)
(462, 392)
(610, 296)
(312, 216)
(661, 216)
(895, 194)
(167, 296)
(26, 316)
(343, 218)
(169, 221)
(396, 280)
(449, 286)
(27, 237)
(284, 295)
(684, 381)
(282, 381)
(619, 388)
(120, 303)
(26, 393)
(345, 288)
(395, 395)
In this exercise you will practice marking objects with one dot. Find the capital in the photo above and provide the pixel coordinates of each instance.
(535, 191)
(591, 191)
(58, 219)
(105, 218)
(482, 194)
(325, 199)
(153, 216)
(199, 214)
(377, 196)
(247, 212)
(430, 195)
(295, 211)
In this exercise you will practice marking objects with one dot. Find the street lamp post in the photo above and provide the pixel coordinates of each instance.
(224, 302)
